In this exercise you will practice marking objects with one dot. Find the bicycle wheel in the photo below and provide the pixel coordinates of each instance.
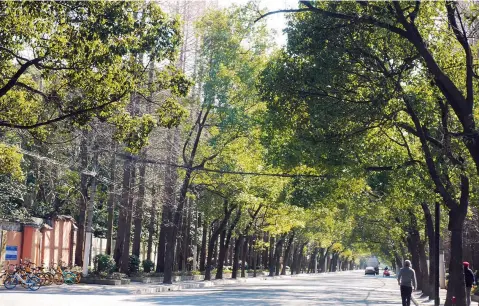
(69, 278)
(34, 282)
(42, 277)
(78, 278)
(58, 279)
(10, 282)
(24, 277)
(48, 279)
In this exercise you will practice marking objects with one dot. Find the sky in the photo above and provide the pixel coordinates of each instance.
(276, 21)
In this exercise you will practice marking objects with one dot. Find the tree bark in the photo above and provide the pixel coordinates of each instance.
(123, 213)
(413, 240)
(236, 256)
(432, 250)
(222, 255)
(169, 197)
(426, 288)
(277, 254)
(138, 216)
(203, 245)
(272, 264)
(225, 239)
(151, 224)
(111, 202)
(82, 201)
(243, 260)
(91, 205)
(125, 260)
(313, 261)
(456, 285)
(287, 253)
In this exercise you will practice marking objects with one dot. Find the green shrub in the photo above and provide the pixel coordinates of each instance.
(148, 265)
(104, 263)
(134, 264)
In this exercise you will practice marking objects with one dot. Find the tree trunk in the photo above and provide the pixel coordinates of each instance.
(426, 289)
(82, 201)
(243, 259)
(222, 255)
(160, 257)
(89, 222)
(456, 285)
(236, 256)
(414, 241)
(151, 224)
(209, 258)
(313, 261)
(123, 213)
(111, 202)
(277, 255)
(264, 262)
(287, 253)
(271, 257)
(300, 258)
(429, 229)
(125, 260)
(294, 262)
(203, 245)
(255, 257)
(138, 216)
(323, 259)
(169, 196)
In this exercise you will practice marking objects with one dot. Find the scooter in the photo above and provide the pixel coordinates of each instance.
(386, 273)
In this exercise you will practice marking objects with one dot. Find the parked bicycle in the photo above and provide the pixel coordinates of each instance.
(22, 275)
(61, 276)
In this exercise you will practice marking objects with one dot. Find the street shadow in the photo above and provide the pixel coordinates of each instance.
(270, 295)
(72, 290)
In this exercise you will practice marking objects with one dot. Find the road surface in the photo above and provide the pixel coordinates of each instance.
(346, 288)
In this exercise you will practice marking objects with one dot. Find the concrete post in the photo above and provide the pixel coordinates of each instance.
(442, 272)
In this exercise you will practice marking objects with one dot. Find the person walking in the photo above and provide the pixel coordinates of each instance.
(469, 278)
(407, 281)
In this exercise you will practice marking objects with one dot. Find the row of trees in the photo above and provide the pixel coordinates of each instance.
(199, 137)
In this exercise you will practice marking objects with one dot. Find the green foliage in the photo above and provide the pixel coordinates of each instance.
(148, 265)
(85, 61)
(11, 199)
(10, 159)
(133, 264)
(104, 263)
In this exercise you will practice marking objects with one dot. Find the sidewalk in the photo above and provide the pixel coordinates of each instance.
(424, 301)
(137, 288)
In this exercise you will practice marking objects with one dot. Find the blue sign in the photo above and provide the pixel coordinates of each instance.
(11, 252)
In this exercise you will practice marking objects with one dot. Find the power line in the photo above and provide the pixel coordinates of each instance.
(196, 168)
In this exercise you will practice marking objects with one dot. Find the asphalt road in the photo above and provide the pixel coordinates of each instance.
(350, 288)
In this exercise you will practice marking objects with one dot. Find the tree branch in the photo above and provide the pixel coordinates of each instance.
(63, 117)
(13, 80)
(448, 200)
(361, 19)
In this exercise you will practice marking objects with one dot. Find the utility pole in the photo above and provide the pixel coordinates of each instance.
(436, 254)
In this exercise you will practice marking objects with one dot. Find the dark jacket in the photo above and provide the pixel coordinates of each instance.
(468, 277)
